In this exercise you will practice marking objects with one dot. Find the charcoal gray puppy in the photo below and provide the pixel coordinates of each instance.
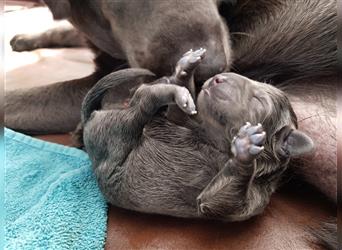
(212, 166)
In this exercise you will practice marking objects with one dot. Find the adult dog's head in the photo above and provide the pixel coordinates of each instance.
(153, 34)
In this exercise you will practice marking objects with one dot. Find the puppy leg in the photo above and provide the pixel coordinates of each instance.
(53, 108)
(185, 69)
(64, 36)
(130, 122)
(119, 131)
(184, 76)
(233, 193)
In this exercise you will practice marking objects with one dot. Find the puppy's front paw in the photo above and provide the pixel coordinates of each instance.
(184, 100)
(248, 144)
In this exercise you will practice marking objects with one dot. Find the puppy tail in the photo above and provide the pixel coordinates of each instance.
(326, 235)
(93, 99)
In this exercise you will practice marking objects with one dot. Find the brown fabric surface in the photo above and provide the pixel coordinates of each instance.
(283, 225)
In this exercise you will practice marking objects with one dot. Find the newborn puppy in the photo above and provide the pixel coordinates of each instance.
(210, 166)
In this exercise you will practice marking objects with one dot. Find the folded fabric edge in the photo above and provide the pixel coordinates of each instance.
(40, 144)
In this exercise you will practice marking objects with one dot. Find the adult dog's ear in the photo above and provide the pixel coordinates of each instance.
(60, 9)
(293, 143)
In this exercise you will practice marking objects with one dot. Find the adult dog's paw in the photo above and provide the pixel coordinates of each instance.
(24, 42)
(248, 144)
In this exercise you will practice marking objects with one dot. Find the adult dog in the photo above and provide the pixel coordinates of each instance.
(301, 44)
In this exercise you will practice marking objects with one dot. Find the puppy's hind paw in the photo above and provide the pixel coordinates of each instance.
(188, 63)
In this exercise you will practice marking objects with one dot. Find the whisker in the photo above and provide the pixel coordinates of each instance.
(315, 115)
(242, 34)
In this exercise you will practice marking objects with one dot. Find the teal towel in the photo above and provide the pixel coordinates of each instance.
(52, 200)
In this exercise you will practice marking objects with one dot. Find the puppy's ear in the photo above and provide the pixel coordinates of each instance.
(293, 143)
(60, 9)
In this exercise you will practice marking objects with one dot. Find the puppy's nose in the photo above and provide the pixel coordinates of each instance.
(219, 79)
(216, 80)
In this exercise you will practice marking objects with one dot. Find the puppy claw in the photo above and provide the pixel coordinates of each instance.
(243, 129)
(258, 139)
(183, 73)
(255, 150)
(254, 129)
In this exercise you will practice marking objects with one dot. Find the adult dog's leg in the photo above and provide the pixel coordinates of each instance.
(56, 108)
(63, 36)
(49, 109)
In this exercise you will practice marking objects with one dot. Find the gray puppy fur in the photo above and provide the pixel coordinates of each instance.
(212, 166)
(273, 41)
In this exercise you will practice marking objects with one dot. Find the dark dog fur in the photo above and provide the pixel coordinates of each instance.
(273, 41)
(146, 163)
